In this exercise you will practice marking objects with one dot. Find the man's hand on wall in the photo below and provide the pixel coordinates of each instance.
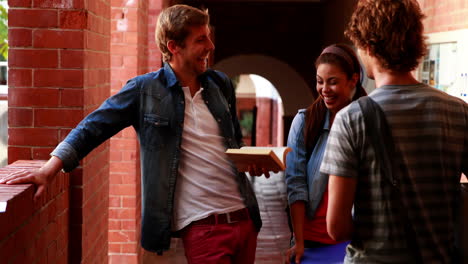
(40, 177)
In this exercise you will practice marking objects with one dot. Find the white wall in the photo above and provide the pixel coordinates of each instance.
(460, 86)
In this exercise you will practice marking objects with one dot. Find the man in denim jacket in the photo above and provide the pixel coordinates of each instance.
(185, 118)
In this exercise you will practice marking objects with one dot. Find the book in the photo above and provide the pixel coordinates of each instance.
(270, 158)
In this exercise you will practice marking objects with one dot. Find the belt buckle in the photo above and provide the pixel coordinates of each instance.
(228, 218)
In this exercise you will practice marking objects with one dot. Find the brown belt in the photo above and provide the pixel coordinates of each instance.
(227, 218)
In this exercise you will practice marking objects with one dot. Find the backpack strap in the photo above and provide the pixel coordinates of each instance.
(311, 149)
(378, 132)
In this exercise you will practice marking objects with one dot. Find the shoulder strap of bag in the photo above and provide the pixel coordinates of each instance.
(379, 133)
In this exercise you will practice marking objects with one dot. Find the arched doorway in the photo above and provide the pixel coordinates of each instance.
(260, 111)
(276, 91)
(292, 88)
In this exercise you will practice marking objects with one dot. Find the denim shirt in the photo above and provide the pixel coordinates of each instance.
(304, 180)
(154, 105)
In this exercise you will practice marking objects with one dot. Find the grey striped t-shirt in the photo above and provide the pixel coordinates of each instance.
(431, 130)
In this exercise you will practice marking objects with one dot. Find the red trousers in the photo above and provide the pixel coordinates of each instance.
(220, 243)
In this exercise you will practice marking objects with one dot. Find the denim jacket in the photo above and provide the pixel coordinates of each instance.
(154, 105)
(304, 180)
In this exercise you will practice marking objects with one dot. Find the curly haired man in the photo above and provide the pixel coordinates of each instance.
(428, 128)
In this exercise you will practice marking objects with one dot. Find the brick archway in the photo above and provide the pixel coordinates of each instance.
(290, 85)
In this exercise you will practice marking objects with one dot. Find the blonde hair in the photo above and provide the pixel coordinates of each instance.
(174, 23)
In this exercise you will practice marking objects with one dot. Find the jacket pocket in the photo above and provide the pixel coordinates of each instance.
(155, 130)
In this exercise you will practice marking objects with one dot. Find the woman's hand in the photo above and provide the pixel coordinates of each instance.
(295, 253)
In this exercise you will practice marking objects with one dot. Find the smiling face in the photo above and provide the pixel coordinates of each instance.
(334, 86)
(193, 56)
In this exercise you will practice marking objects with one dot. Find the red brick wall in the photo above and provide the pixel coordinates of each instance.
(264, 121)
(154, 55)
(124, 192)
(444, 15)
(34, 232)
(37, 49)
(132, 54)
(267, 120)
(59, 72)
(275, 122)
(95, 173)
(142, 37)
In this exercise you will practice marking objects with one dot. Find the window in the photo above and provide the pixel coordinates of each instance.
(439, 66)
(444, 66)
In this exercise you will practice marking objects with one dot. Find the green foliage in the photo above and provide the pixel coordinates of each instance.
(3, 31)
(246, 122)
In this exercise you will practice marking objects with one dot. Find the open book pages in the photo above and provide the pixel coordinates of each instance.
(271, 158)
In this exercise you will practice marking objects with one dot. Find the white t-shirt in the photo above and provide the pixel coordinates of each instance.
(206, 182)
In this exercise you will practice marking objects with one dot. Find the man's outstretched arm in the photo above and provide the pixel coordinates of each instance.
(341, 192)
(40, 177)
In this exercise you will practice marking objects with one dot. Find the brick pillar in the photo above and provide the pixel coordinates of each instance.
(59, 72)
(275, 122)
(132, 23)
(154, 55)
(264, 121)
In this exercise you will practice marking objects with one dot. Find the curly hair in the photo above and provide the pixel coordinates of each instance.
(392, 30)
(174, 23)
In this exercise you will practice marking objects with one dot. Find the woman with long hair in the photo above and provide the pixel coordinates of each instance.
(338, 83)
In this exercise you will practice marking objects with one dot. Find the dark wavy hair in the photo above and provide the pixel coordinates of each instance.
(315, 113)
(392, 30)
